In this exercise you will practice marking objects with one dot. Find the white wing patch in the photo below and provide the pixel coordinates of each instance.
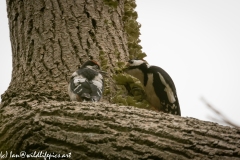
(77, 87)
(168, 90)
(97, 84)
(80, 91)
(98, 93)
(97, 81)
(78, 79)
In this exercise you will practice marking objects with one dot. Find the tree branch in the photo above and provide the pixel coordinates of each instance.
(108, 131)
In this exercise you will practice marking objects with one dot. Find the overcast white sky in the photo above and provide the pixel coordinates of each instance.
(6, 52)
(196, 41)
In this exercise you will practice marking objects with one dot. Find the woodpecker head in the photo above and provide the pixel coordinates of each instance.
(134, 63)
(137, 68)
(91, 64)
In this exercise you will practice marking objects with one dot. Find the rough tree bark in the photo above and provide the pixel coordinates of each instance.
(108, 131)
(49, 39)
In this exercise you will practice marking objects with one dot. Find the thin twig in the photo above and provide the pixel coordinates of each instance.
(222, 117)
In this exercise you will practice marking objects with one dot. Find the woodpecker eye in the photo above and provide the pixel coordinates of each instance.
(130, 61)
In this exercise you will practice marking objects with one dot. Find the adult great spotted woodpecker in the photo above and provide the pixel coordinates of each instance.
(158, 85)
(86, 84)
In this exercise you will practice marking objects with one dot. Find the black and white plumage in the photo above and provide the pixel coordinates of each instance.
(86, 84)
(158, 85)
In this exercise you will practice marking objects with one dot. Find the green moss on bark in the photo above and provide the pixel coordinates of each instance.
(112, 3)
(129, 89)
(132, 28)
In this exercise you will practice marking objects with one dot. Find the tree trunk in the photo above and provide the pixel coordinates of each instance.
(50, 38)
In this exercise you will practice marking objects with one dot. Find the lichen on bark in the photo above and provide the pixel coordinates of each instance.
(130, 91)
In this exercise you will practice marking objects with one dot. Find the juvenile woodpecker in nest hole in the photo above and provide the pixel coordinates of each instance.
(158, 85)
(86, 84)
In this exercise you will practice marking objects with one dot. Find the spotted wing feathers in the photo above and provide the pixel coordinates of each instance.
(165, 90)
(87, 84)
